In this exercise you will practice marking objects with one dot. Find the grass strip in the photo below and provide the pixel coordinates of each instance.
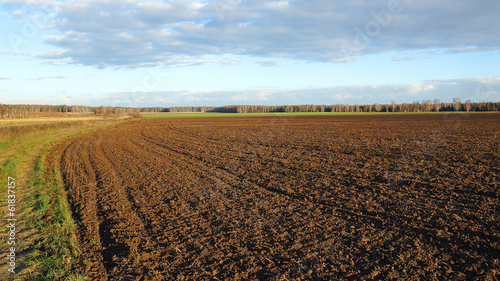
(47, 245)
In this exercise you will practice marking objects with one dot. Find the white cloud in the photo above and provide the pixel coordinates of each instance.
(268, 63)
(480, 89)
(475, 89)
(417, 89)
(48, 78)
(278, 4)
(19, 13)
(126, 33)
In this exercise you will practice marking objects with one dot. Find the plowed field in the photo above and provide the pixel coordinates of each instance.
(325, 197)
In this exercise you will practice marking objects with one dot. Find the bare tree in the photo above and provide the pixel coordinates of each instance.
(468, 105)
(415, 106)
(393, 106)
(377, 107)
(437, 105)
(428, 105)
(100, 110)
(456, 104)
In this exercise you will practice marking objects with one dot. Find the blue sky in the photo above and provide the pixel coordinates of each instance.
(221, 52)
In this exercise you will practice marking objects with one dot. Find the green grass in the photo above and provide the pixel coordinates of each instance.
(50, 249)
(204, 115)
(56, 250)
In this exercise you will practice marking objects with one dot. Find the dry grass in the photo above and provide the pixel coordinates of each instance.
(41, 117)
(25, 126)
(18, 130)
(46, 119)
(49, 117)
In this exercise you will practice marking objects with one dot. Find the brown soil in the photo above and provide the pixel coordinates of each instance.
(280, 198)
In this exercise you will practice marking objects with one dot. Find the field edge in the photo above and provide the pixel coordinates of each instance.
(50, 251)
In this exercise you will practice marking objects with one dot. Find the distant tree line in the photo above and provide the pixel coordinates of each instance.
(25, 110)
(424, 106)
(190, 109)
(152, 109)
(110, 110)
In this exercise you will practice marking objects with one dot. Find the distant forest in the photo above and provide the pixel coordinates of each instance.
(26, 110)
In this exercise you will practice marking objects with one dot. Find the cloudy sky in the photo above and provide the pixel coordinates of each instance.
(221, 52)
